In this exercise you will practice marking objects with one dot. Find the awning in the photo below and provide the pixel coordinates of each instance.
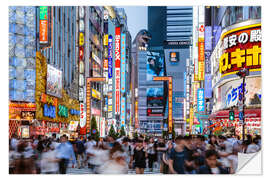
(249, 113)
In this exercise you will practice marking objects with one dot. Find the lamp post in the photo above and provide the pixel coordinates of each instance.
(243, 73)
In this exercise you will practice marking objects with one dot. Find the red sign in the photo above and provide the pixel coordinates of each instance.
(48, 99)
(81, 53)
(105, 64)
(23, 106)
(117, 69)
(43, 31)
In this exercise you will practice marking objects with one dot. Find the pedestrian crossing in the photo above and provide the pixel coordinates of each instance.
(86, 170)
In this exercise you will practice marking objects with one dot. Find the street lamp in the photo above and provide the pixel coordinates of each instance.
(242, 74)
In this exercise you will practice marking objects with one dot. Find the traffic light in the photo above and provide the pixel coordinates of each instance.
(231, 115)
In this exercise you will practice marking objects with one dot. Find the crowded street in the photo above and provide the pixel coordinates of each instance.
(134, 90)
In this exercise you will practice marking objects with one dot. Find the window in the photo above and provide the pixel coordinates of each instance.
(255, 12)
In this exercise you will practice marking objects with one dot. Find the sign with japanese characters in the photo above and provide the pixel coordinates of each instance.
(241, 49)
(117, 69)
(232, 92)
(200, 100)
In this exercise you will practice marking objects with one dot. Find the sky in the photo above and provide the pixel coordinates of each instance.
(136, 18)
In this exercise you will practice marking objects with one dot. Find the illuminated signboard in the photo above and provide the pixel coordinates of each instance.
(170, 108)
(136, 115)
(174, 56)
(201, 60)
(82, 115)
(62, 111)
(43, 24)
(200, 100)
(105, 40)
(81, 53)
(191, 117)
(81, 39)
(123, 111)
(241, 49)
(117, 69)
(208, 38)
(196, 85)
(123, 63)
(88, 104)
(96, 94)
(110, 57)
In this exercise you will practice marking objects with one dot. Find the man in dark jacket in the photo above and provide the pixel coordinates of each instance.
(80, 152)
(211, 166)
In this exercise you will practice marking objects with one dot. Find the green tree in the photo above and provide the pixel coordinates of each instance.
(122, 131)
(94, 127)
(112, 132)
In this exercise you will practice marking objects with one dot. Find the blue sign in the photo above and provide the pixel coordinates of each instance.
(74, 112)
(123, 63)
(235, 94)
(208, 86)
(207, 55)
(208, 38)
(49, 111)
(200, 100)
(110, 56)
(241, 115)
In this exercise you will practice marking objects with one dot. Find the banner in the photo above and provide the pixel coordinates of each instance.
(117, 69)
(43, 24)
(54, 81)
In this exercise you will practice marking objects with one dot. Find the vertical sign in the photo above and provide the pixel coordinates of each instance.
(43, 24)
(117, 69)
(123, 111)
(123, 79)
(123, 63)
(196, 85)
(191, 118)
(88, 104)
(136, 115)
(170, 118)
(208, 86)
(200, 100)
(82, 119)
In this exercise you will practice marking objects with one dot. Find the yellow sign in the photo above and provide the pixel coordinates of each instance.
(191, 117)
(81, 39)
(96, 94)
(201, 71)
(105, 40)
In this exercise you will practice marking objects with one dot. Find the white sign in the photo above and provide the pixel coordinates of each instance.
(82, 115)
(73, 125)
(96, 58)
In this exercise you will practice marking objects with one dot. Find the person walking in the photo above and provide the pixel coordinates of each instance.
(151, 153)
(140, 155)
(64, 153)
(177, 157)
(80, 152)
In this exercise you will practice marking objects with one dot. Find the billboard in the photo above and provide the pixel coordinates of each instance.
(123, 63)
(200, 100)
(241, 49)
(154, 66)
(117, 69)
(54, 81)
(231, 92)
(155, 97)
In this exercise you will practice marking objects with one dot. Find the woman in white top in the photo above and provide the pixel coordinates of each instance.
(49, 162)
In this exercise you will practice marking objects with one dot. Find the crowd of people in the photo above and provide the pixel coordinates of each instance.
(182, 155)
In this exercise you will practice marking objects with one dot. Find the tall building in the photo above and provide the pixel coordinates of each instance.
(234, 30)
(171, 31)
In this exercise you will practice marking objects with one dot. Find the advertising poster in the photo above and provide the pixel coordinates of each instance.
(54, 81)
(117, 69)
(155, 66)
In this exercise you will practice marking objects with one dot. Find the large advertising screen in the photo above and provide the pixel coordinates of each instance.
(54, 81)
(241, 49)
(155, 66)
(154, 97)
